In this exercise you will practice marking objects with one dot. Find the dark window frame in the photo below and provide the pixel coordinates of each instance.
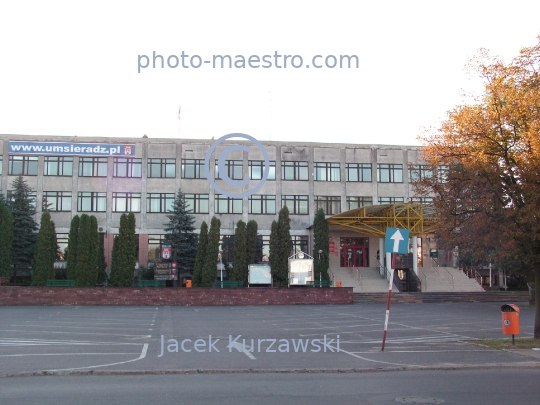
(96, 165)
(133, 167)
(363, 172)
(158, 168)
(29, 165)
(61, 163)
(95, 199)
(296, 203)
(300, 170)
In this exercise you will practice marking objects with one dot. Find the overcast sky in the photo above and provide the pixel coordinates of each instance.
(71, 68)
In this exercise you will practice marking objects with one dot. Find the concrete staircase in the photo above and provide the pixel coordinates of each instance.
(362, 279)
(446, 279)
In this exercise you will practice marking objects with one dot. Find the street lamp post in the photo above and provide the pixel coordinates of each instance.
(221, 266)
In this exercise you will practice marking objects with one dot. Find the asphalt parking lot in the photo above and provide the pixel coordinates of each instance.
(251, 338)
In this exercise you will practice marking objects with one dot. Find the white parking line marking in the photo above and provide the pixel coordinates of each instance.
(142, 356)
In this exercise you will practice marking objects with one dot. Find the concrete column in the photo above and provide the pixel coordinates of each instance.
(415, 254)
(381, 255)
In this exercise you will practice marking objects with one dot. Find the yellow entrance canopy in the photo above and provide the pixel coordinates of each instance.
(373, 220)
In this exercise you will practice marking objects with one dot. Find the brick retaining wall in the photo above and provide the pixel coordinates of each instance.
(173, 296)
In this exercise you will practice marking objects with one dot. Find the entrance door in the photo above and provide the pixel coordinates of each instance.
(354, 256)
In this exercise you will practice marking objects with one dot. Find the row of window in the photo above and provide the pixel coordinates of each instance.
(195, 169)
(200, 203)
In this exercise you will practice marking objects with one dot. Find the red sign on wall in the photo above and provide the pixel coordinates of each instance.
(332, 247)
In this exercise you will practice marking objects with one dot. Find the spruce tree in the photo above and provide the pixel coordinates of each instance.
(251, 241)
(321, 234)
(72, 247)
(181, 234)
(240, 264)
(212, 250)
(22, 209)
(46, 248)
(281, 266)
(6, 240)
(201, 255)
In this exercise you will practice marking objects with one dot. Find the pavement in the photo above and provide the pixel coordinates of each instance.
(255, 339)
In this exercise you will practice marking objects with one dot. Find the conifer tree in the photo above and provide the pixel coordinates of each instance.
(201, 255)
(6, 240)
(212, 250)
(280, 268)
(86, 261)
(272, 257)
(72, 247)
(102, 267)
(46, 249)
(240, 264)
(23, 210)
(124, 253)
(251, 241)
(321, 236)
(181, 234)
(94, 249)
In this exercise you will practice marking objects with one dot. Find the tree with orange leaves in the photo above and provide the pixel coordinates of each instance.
(489, 194)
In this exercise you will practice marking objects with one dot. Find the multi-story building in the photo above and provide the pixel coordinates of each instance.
(142, 175)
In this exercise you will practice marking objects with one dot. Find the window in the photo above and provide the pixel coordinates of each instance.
(297, 204)
(256, 169)
(443, 173)
(58, 166)
(419, 172)
(262, 204)
(162, 168)
(358, 172)
(126, 202)
(32, 195)
(57, 200)
(390, 173)
(391, 200)
(154, 247)
(25, 165)
(93, 167)
(299, 243)
(227, 205)
(159, 202)
(91, 202)
(330, 204)
(197, 203)
(1, 163)
(234, 169)
(127, 167)
(193, 169)
(422, 200)
(327, 171)
(294, 170)
(358, 202)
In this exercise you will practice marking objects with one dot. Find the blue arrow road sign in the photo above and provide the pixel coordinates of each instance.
(397, 240)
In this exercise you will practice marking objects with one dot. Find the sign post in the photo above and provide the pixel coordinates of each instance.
(397, 241)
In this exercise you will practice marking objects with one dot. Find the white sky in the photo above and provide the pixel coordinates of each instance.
(70, 68)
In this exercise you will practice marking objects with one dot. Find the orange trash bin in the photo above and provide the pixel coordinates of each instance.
(338, 284)
(188, 283)
(510, 319)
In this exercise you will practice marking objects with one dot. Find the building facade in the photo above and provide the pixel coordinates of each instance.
(143, 175)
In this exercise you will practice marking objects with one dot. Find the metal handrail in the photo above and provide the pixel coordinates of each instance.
(423, 278)
(478, 277)
(380, 266)
(435, 266)
(449, 277)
